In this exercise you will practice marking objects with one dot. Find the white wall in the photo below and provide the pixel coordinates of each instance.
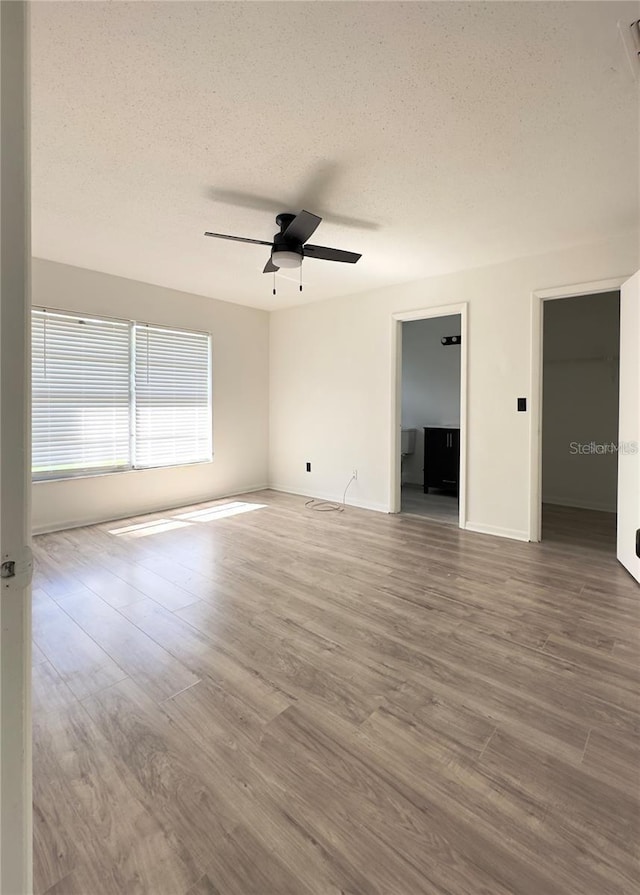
(580, 400)
(240, 339)
(332, 385)
(430, 383)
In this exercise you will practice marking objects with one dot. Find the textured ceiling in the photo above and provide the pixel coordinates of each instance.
(431, 136)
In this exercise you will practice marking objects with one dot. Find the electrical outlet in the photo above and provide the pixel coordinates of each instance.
(308, 466)
(355, 474)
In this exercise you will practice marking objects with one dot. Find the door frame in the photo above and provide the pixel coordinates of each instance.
(535, 420)
(397, 319)
(15, 454)
(627, 545)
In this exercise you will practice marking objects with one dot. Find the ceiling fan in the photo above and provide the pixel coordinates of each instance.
(290, 245)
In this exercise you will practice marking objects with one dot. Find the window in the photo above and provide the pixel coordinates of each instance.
(80, 415)
(111, 395)
(172, 412)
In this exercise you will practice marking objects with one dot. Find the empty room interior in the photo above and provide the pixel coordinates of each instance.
(320, 352)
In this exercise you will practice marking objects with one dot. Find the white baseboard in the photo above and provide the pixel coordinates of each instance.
(513, 533)
(580, 504)
(320, 495)
(143, 511)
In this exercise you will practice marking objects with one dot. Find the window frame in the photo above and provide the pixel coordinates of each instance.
(131, 466)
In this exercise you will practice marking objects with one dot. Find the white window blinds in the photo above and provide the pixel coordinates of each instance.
(80, 395)
(172, 397)
(110, 395)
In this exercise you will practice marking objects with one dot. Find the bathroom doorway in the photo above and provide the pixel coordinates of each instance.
(430, 414)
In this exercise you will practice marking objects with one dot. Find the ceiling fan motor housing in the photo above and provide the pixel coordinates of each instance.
(284, 219)
(286, 252)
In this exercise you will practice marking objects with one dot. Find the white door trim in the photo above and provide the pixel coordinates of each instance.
(15, 453)
(628, 505)
(535, 386)
(397, 320)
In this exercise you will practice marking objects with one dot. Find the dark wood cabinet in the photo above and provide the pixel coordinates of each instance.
(441, 458)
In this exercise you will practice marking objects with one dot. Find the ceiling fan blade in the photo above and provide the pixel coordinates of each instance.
(270, 267)
(258, 242)
(302, 226)
(326, 254)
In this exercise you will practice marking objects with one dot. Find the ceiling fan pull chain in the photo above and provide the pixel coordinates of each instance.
(274, 282)
(301, 276)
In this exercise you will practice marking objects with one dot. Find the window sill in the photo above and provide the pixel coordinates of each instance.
(114, 472)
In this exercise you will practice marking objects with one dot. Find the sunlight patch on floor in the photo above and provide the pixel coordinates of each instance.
(183, 520)
(143, 529)
(222, 511)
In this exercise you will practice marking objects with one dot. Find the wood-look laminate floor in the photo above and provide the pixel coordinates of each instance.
(437, 506)
(283, 702)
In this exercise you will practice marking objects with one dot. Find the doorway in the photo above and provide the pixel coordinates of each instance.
(429, 443)
(580, 397)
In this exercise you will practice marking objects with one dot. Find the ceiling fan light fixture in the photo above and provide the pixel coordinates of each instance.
(286, 258)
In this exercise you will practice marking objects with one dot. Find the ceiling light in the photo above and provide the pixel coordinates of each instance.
(286, 258)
